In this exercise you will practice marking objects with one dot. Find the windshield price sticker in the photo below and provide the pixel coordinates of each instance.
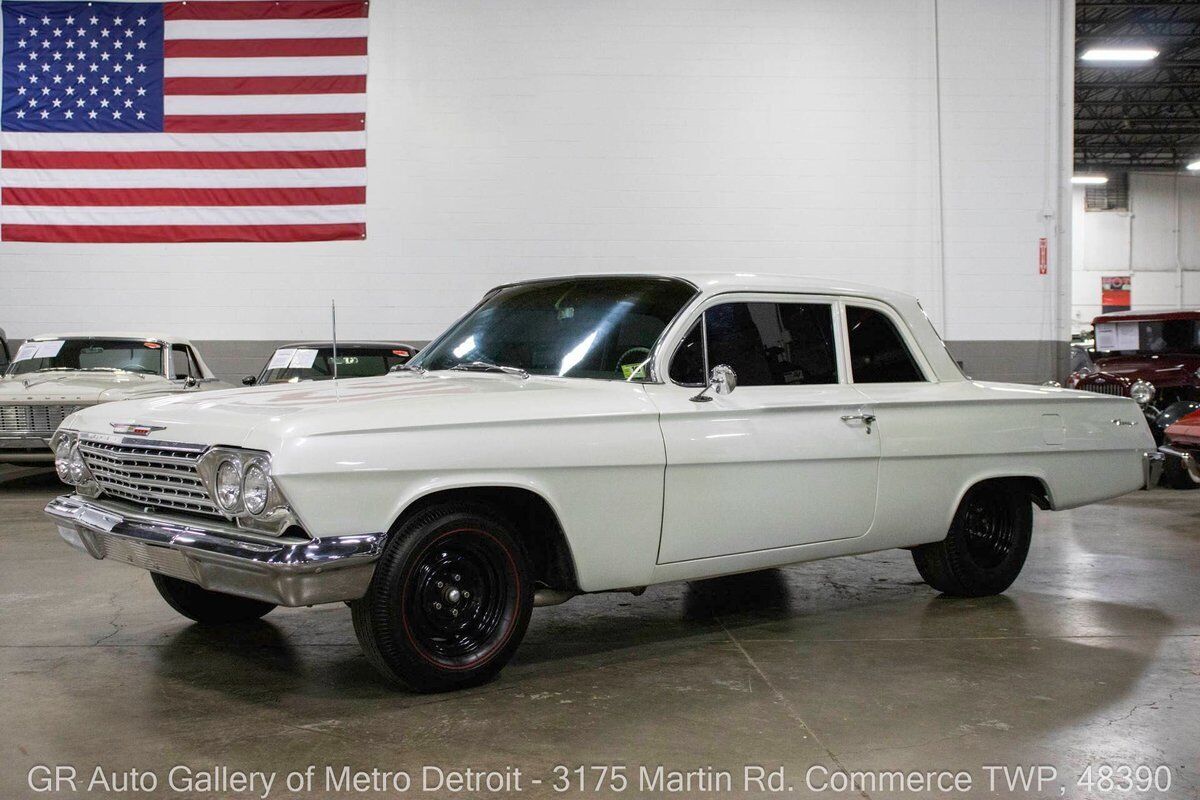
(303, 359)
(282, 358)
(1117, 336)
(39, 350)
(27, 351)
(1127, 336)
(49, 349)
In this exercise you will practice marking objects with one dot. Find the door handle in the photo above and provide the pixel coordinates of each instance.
(863, 417)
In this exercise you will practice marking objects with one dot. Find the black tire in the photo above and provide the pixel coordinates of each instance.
(1175, 476)
(449, 602)
(987, 544)
(205, 606)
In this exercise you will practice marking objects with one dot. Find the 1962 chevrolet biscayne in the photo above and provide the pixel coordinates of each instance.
(589, 434)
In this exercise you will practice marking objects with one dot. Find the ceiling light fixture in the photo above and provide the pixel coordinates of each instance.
(1090, 180)
(1195, 165)
(1121, 54)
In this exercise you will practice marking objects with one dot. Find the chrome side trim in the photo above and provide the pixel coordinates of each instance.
(1152, 467)
(287, 572)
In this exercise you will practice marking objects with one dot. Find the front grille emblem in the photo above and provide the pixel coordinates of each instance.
(131, 429)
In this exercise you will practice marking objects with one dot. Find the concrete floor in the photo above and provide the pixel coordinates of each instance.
(1092, 657)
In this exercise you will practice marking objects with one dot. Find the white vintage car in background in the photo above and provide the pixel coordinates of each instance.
(589, 434)
(51, 377)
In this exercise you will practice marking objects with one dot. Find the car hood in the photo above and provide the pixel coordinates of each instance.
(261, 417)
(1164, 370)
(81, 387)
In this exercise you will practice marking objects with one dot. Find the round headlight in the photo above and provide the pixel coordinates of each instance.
(229, 484)
(1142, 392)
(256, 487)
(62, 460)
(76, 469)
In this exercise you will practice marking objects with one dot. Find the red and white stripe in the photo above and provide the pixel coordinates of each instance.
(264, 138)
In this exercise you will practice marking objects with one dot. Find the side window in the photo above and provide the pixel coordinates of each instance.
(687, 367)
(182, 363)
(877, 351)
(766, 344)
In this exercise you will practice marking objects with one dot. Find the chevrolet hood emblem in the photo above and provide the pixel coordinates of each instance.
(130, 429)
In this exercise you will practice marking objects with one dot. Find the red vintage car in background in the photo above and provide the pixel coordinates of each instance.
(1181, 468)
(1151, 356)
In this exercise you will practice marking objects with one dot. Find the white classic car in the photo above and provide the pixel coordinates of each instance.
(589, 434)
(51, 377)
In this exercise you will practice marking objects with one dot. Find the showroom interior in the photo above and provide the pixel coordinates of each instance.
(1019, 168)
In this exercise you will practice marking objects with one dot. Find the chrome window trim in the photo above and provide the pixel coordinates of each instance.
(906, 337)
(837, 318)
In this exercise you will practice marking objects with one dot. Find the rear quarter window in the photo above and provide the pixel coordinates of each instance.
(878, 353)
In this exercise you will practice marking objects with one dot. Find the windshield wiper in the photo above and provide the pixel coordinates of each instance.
(487, 366)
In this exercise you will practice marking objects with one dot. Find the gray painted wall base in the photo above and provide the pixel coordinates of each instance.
(1014, 361)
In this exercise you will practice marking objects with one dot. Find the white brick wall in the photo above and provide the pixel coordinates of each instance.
(512, 139)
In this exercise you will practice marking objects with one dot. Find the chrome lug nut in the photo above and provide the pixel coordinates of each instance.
(454, 612)
(438, 606)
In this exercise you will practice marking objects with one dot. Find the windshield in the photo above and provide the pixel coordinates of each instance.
(1150, 337)
(316, 363)
(577, 327)
(129, 355)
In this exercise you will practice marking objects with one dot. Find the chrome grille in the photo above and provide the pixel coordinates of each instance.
(155, 474)
(37, 419)
(1115, 389)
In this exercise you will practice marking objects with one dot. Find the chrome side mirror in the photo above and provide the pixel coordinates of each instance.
(722, 380)
(190, 383)
(249, 380)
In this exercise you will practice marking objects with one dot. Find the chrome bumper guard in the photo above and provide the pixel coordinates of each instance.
(287, 572)
(1186, 458)
(1152, 467)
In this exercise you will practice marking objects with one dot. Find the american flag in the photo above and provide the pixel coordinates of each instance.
(198, 121)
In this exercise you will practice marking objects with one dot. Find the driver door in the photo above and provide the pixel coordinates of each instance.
(786, 458)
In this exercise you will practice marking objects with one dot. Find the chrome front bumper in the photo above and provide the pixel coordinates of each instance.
(1185, 457)
(287, 572)
(1152, 467)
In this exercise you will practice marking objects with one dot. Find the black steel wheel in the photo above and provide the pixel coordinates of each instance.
(449, 602)
(986, 546)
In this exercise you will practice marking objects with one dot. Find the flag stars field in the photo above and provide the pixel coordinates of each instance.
(197, 121)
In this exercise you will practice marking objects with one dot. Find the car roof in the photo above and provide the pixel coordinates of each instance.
(137, 336)
(1138, 316)
(720, 282)
(353, 343)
